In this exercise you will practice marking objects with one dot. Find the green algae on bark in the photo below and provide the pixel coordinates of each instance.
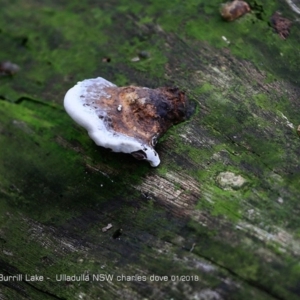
(58, 190)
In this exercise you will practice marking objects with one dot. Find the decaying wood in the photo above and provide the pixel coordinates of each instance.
(218, 219)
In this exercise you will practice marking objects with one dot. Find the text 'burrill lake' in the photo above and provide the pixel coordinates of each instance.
(21, 277)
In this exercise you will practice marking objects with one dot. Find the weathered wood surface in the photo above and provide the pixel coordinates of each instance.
(224, 203)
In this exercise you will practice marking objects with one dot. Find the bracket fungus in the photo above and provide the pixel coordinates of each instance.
(281, 25)
(8, 68)
(234, 9)
(125, 119)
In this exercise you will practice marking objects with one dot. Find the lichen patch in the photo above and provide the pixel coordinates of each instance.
(228, 180)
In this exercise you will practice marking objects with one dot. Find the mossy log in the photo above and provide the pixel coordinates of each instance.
(218, 219)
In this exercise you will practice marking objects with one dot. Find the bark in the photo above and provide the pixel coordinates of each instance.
(218, 219)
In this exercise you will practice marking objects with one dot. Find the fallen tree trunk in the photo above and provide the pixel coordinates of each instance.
(218, 219)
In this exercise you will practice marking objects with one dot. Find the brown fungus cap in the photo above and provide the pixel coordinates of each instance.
(125, 119)
(230, 11)
(144, 113)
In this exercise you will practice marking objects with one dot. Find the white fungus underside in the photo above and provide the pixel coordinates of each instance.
(88, 117)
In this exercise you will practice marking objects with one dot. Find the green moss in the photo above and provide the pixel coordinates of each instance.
(220, 202)
(58, 175)
(162, 170)
(205, 88)
(261, 100)
(120, 80)
(50, 179)
(229, 207)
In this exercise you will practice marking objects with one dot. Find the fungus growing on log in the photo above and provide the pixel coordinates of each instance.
(233, 10)
(281, 25)
(125, 119)
(8, 68)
